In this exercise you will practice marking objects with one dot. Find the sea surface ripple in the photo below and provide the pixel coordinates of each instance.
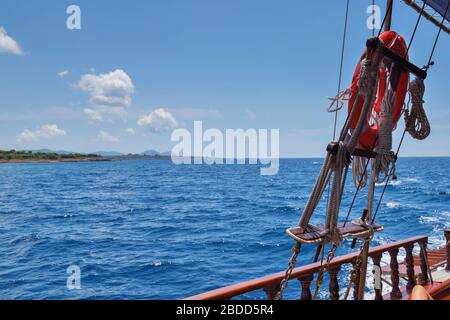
(154, 230)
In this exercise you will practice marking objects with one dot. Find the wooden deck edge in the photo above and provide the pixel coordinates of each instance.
(237, 289)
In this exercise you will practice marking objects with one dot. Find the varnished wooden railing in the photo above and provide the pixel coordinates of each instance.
(447, 238)
(305, 274)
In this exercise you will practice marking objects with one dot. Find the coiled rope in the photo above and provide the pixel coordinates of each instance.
(416, 120)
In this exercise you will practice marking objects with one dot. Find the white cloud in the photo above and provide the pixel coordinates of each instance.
(93, 115)
(131, 131)
(63, 73)
(106, 136)
(158, 120)
(47, 131)
(104, 113)
(8, 44)
(112, 89)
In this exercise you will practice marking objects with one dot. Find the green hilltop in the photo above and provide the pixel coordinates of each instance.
(30, 155)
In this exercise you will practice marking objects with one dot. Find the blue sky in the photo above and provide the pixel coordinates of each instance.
(154, 65)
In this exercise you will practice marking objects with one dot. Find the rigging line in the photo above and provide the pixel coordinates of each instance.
(344, 38)
(404, 132)
(417, 24)
(356, 193)
(391, 171)
(388, 178)
(358, 189)
(342, 64)
(388, 11)
(438, 35)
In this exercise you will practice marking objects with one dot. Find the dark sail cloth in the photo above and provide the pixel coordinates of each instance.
(440, 6)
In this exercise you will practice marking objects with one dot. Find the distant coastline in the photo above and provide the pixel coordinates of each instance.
(53, 160)
(13, 156)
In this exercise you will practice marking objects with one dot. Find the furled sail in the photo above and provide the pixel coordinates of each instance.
(434, 11)
(440, 6)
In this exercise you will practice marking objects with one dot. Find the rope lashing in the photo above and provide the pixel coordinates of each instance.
(359, 172)
(364, 76)
(340, 164)
(416, 120)
(339, 168)
(383, 163)
(385, 155)
(339, 99)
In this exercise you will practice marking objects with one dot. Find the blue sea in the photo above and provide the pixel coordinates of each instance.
(154, 230)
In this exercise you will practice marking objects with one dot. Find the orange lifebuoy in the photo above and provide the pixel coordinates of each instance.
(398, 80)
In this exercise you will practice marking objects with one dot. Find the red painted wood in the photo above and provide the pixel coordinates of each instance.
(409, 261)
(447, 238)
(259, 283)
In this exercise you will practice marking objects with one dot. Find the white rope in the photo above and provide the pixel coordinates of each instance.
(339, 99)
(416, 121)
(364, 76)
(331, 229)
(385, 156)
(317, 192)
(359, 172)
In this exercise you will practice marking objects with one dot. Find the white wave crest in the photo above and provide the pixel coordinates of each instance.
(428, 219)
(391, 183)
(393, 205)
